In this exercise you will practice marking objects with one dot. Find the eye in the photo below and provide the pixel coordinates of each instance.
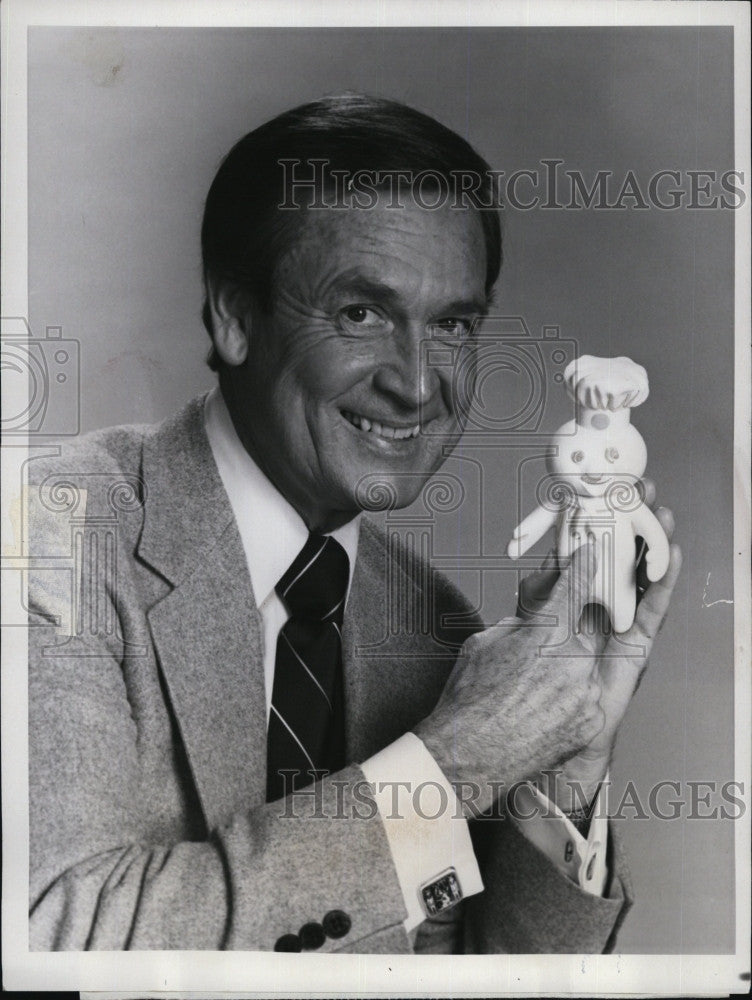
(577, 456)
(450, 326)
(361, 317)
(611, 454)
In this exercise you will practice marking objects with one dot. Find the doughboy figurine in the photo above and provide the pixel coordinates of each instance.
(594, 492)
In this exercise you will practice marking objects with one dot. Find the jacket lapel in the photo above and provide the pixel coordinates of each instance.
(394, 673)
(208, 634)
(207, 630)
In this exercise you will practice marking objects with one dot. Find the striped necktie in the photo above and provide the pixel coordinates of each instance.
(306, 723)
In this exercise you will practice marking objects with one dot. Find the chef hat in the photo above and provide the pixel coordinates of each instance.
(605, 389)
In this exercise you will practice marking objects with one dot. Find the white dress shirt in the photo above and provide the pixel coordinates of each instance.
(272, 534)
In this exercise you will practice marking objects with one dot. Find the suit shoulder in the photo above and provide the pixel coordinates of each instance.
(112, 450)
(97, 475)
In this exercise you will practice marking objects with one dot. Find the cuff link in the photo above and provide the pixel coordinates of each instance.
(441, 893)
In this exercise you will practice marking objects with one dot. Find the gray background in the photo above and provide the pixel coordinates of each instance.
(126, 129)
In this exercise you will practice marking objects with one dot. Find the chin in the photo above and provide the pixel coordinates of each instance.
(380, 490)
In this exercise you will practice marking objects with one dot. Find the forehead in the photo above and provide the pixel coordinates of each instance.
(415, 252)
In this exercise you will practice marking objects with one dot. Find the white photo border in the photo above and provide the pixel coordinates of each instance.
(349, 975)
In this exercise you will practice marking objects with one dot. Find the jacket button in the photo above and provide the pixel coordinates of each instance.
(337, 923)
(288, 942)
(311, 936)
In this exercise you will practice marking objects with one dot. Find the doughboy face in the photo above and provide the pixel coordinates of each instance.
(591, 460)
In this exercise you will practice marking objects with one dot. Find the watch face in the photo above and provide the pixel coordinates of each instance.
(442, 893)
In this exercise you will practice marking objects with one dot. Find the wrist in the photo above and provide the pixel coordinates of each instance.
(476, 792)
(574, 786)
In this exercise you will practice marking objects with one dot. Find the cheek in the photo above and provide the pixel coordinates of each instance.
(560, 467)
(632, 461)
(313, 363)
(332, 368)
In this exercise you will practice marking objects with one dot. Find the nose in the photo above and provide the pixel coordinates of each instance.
(404, 374)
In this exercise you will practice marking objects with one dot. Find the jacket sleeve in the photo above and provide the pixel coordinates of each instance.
(529, 906)
(109, 871)
(100, 879)
(99, 882)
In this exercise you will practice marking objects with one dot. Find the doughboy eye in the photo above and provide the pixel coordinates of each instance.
(611, 454)
(577, 456)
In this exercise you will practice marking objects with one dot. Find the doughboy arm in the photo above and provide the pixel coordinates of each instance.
(530, 530)
(648, 525)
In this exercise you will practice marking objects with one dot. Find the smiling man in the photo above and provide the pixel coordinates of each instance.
(329, 386)
(223, 649)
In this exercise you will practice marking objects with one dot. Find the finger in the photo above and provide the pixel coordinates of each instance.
(595, 630)
(642, 581)
(549, 566)
(535, 590)
(650, 491)
(666, 518)
(654, 605)
(550, 562)
(572, 589)
(503, 628)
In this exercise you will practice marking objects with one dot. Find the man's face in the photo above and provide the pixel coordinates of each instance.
(333, 390)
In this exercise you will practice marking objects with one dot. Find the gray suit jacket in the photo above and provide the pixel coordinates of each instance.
(148, 821)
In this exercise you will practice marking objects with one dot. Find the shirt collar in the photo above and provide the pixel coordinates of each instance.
(271, 530)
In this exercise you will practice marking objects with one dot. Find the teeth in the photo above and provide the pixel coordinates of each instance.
(381, 430)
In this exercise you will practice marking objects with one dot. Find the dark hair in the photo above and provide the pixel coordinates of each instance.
(244, 232)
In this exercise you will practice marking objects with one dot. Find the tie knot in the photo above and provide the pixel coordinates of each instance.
(315, 585)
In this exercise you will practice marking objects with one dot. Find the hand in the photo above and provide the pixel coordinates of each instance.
(622, 663)
(622, 660)
(507, 710)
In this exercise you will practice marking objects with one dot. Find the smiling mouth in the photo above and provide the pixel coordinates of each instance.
(380, 429)
(592, 480)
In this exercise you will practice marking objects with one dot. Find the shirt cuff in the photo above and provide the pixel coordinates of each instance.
(423, 820)
(545, 825)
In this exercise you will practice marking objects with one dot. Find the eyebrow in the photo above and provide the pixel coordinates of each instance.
(377, 290)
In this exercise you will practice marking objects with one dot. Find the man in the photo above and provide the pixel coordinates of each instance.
(223, 647)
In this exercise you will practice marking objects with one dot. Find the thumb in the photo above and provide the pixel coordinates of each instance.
(572, 589)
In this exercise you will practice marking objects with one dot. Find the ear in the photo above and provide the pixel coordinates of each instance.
(230, 319)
